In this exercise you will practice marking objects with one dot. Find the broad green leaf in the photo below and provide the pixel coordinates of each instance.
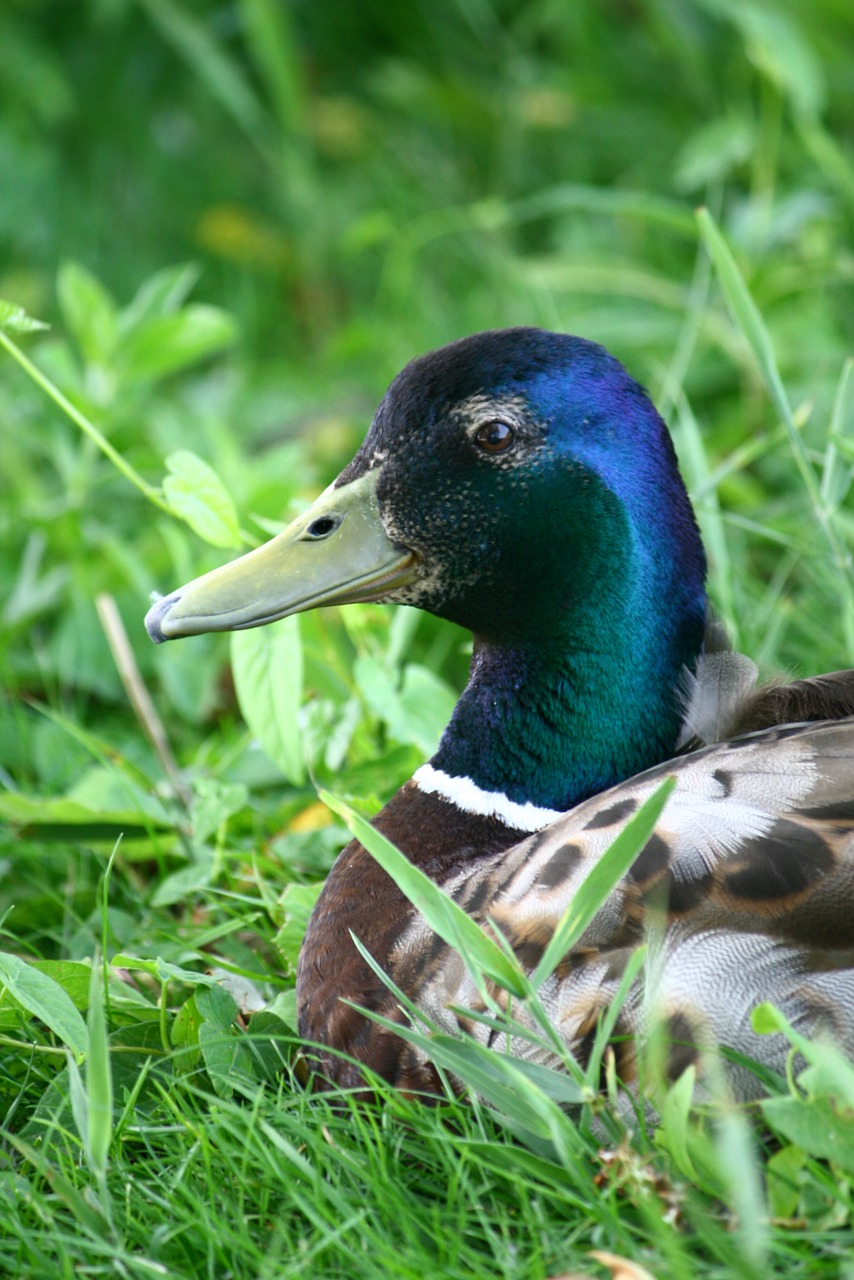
(109, 790)
(767, 1019)
(332, 742)
(72, 975)
(89, 312)
(14, 319)
(829, 1072)
(284, 1006)
(161, 295)
(45, 999)
(184, 1036)
(167, 971)
(782, 1174)
(162, 969)
(139, 837)
(814, 1125)
(216, 1006)
(214, 802)
(425, 707)
(196, 494)
(222, 1053)
(400, 633)
(603, 877)
(168, 343)
(712, 151)
(187, 882)
(297, 903)
(268, 1043)
(417, 712)
(675, 1125)
(267, 666)
(441, 912)
(376, 685)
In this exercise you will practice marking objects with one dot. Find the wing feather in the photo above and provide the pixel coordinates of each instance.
(749, 874)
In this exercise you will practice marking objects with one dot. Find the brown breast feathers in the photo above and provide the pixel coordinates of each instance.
(359, 897)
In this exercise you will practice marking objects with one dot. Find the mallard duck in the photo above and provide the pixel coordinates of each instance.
(523, 485)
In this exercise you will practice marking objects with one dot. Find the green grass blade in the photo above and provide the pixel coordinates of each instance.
(507, 1085)
(89, 1218)
(99, 1081)
(215, 68)
(739, 1166)
(830, 156)
(270, 39)
(79, 1101)
(608, 1020)
(441, 913)
(601, 880)
(748, 319)
(837, 470)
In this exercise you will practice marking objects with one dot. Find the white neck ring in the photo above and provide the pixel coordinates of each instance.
(468, 796)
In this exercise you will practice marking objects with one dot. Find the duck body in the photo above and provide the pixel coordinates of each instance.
(521, 484)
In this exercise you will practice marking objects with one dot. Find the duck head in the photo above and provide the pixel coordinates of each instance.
(506, 478)
(519, 483)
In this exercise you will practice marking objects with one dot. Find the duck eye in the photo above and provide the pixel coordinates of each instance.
(494, 437)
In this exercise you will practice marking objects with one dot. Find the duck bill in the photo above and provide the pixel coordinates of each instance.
(337, 552)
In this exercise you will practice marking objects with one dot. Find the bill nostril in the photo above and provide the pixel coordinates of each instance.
(322, 527)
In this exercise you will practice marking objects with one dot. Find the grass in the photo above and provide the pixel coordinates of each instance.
(353, 193)
(281, 1186)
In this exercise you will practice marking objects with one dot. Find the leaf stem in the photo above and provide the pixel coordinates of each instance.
(88, 428)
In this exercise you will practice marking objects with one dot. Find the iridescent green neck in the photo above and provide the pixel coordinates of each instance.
(551, 731)
(561, 716)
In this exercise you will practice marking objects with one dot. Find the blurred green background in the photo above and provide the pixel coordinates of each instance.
(358, 180)
(240, 218)
(353, 184)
